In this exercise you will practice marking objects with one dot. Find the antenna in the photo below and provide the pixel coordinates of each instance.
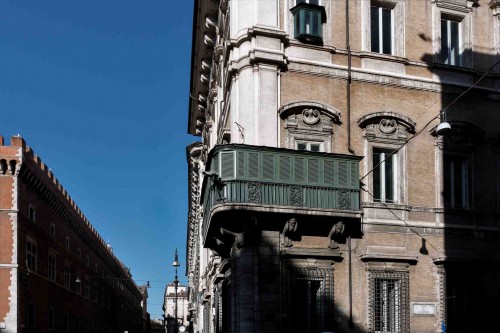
(241, 129)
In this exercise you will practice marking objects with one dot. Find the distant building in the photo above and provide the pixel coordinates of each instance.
(169, 306)
(146, 325)
(157, 326)
(56, 272)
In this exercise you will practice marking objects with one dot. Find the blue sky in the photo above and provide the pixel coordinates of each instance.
(99, 90)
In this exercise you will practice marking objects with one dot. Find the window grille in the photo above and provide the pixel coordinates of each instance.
(312, 300)
(206, 318)
(388, 297)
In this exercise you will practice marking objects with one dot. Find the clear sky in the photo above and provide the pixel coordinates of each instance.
(99, 90)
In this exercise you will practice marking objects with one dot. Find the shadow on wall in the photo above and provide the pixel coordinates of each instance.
(277, 286)
(469, 182)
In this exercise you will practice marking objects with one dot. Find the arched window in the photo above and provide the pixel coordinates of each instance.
(309, 126)
(385, 134)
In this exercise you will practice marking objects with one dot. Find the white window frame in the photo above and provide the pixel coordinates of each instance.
(381, 28)
(453, 11)
(52, 266)
(466, 177)
(308, 1)
(384, 154)
(450, 59)
(31, 255)
(308, 144)
(397, 25)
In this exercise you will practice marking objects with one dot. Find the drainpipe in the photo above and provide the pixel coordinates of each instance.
(350, 281)
(349, 148)
(348, 47)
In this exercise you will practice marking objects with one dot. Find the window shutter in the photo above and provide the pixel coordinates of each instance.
(329, 172)
(342, 173)
(284, 168)
(253, 165)
(241, 164)
(227, 165)
(299, 169)
(313, 170)
(268, 167)
(215, 164)
(354, 174)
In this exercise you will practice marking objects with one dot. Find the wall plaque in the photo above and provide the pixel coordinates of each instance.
(424, 309)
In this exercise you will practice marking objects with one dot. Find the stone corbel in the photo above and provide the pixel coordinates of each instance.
(495, 6)
(289, 232)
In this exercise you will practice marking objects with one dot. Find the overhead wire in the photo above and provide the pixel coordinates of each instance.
(441, 112)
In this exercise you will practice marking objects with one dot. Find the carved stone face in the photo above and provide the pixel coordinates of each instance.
(387, 126)
(310, 116)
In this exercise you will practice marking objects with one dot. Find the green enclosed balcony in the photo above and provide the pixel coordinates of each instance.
(264, 179)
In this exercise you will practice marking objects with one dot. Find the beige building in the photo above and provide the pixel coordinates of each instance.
(328, 192)
(171, 300)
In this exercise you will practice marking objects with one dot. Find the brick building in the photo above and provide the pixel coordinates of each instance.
(323, 197)
(56, 272)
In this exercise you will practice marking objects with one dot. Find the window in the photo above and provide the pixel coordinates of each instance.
(51, 319)
(30, 317)
(309, 125)
(310, 146)
(383, 32)
(384, 175)
(52, 267)
(388, 297)
(67, 243)
(308, 18)
(87, 261)
(381, 29)
(456, 181)
(79, 254)
(452, 32)
(31, 254)
(52, 230)
(66, 322)
(78, 284)
(96, 268)
(67, 276)
(450, 40)
(311, 300)
(32, 213)
(86, 288)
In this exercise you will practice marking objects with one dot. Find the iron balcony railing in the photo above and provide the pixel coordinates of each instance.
(263, 176)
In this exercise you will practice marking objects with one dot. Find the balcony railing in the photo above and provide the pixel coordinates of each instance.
(279, 178)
